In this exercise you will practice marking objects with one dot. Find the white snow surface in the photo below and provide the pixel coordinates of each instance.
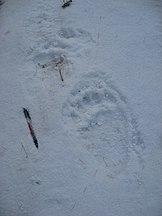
(99, 130)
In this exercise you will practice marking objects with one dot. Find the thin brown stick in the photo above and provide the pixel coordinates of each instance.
(61, 75)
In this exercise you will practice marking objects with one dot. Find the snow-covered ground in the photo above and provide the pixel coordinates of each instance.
(98, 130)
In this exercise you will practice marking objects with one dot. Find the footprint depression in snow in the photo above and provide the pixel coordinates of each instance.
(98, 114)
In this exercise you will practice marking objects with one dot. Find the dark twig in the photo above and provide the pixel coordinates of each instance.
(66, 3)
(61, 74)
(29, 122)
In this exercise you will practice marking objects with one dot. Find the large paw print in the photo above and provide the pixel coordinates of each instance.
(98, 112)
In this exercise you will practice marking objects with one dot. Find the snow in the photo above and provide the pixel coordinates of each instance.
(98, 130)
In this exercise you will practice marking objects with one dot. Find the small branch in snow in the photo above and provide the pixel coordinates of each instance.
(66, 3)
(59, 66)
(60, 62)
(60, 72)
(30, 126)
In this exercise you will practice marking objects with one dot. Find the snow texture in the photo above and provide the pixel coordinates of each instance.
(90, 76)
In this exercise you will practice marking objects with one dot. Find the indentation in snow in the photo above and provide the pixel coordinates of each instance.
(78, 34)
(99, 114)
(51, 58)
(68, 41)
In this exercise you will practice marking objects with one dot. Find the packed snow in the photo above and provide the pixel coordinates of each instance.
(89, 75)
